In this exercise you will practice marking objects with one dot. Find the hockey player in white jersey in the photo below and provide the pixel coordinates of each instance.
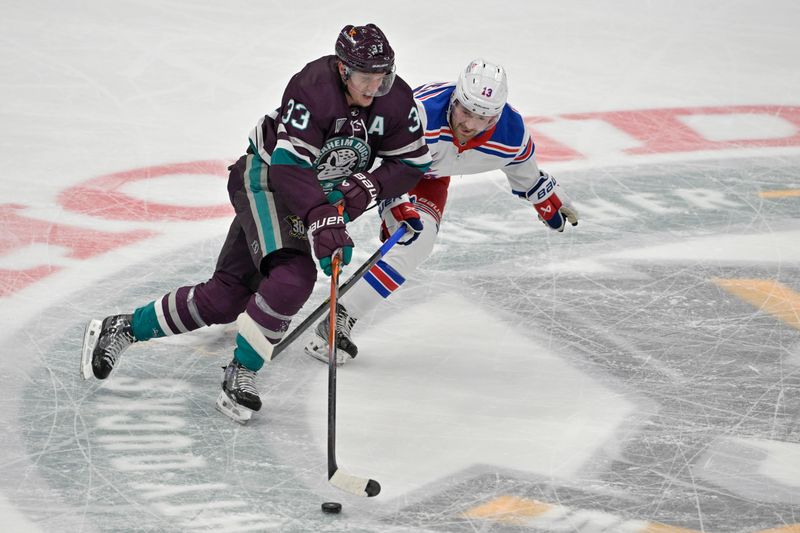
(469, 129)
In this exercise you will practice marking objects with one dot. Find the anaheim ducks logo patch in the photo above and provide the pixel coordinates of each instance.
(340, 157)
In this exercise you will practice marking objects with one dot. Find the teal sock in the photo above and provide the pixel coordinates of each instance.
(145, 324)
(247, 355)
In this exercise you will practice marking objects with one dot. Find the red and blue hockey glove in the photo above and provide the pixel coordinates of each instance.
(327, 233)
(357, 192)
(552, 204)
(396, 212)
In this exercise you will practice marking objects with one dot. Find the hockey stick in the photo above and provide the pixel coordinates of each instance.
(352, 484)
(319, 311)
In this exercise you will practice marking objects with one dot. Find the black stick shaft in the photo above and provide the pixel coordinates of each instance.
(333, 300)
(352, 484)
(319, 311)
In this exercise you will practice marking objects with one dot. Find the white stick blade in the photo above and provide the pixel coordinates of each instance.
(354, 485)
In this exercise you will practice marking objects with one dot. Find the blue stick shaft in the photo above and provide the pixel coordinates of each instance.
(319, 311)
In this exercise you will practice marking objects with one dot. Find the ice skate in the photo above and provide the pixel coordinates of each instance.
(103, 344)
(346, 349)
(239, 397)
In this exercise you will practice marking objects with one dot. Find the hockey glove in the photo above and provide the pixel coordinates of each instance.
(394, 213)
(552, 204)
(326, 234)
(357, 191)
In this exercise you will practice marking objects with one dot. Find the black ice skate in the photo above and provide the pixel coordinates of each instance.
(346, 349)
(239, 397)
(103, 343)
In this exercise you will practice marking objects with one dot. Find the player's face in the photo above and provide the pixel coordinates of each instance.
(466, 124)
(363, 87)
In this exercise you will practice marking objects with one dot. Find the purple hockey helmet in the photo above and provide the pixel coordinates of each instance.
(365, 49)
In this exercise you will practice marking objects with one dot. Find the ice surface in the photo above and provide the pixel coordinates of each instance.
(638, 373)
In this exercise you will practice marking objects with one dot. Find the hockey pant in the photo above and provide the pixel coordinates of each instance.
(264, 274)
(390, 272)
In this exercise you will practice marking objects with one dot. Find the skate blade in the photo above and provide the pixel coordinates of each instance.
(89, 342)
(311, 350)
(316, 351)
(233, 410)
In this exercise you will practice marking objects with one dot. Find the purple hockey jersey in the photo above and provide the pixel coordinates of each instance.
(315, 139)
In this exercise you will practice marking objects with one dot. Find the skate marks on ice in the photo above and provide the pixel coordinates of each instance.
(454, 384)
(692, 304)
(144, 450)
(631, 388)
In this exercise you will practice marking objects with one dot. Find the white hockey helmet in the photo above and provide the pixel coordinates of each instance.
(482, 88)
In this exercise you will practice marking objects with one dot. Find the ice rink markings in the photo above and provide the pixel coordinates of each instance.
(787, 193)
(543, 516)
(767, 295)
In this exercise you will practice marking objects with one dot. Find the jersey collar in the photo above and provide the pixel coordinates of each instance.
(475, 142)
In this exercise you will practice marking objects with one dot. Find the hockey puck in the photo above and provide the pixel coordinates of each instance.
(332, 507)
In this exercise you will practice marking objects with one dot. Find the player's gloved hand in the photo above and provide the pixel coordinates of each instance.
(394, 213)
(552, 204)
(357, 192)
(326, 234)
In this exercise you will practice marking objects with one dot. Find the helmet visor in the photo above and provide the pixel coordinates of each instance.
(370, 83)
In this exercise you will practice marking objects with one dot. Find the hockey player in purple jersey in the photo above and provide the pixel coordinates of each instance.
(336, 116)
(469, 129)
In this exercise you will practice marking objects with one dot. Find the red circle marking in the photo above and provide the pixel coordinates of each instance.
(103, 196)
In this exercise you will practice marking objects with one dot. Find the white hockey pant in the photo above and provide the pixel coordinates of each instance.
(391, 271)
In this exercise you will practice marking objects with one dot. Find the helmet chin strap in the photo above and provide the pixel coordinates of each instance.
(450, 114)
(349, 97)
(344, 75)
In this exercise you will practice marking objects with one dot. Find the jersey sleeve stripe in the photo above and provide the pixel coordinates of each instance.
(425, 90)
(485, 150)
(442, 134)
(282, 156)
(295, 150)
(513, 150)
(429, 95)
(525, 155)
(257, 141)
(422, 163)
(297, 143)
(407, 149)
(527, 152)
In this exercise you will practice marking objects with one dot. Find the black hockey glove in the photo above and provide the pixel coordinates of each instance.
(357, 191)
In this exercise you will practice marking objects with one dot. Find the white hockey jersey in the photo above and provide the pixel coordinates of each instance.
(507, 146)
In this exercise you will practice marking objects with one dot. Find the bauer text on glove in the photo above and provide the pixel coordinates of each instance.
(552, 204)
(326, 234)
(357, 192)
